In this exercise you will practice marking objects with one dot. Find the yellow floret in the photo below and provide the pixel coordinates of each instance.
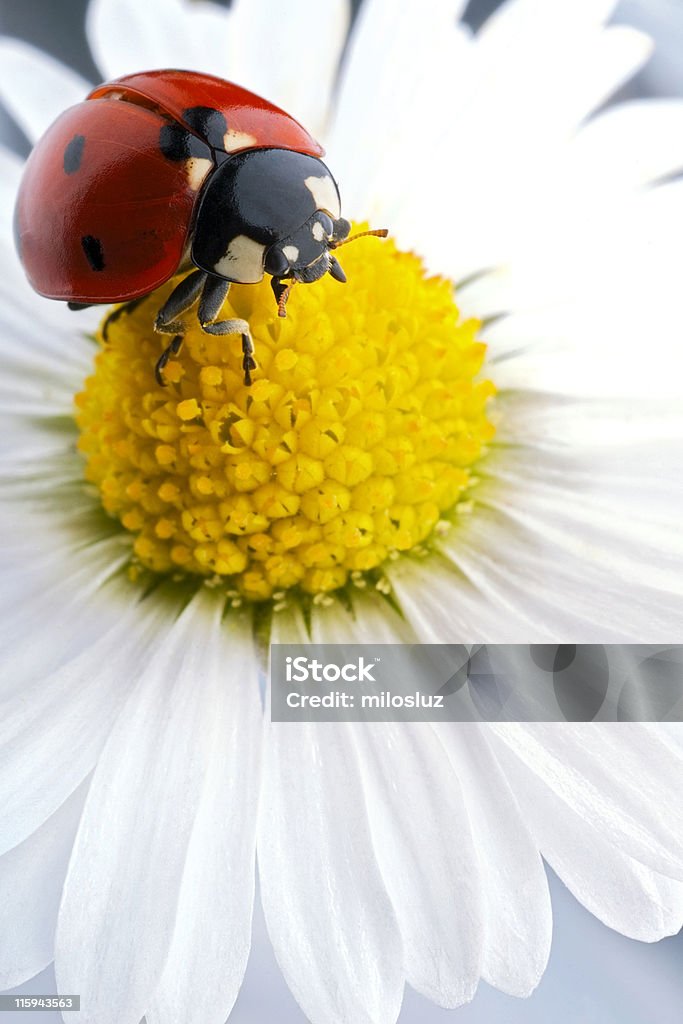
(356, 439)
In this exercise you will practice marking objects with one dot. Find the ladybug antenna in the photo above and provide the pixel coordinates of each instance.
(282, 301)
(378, 232)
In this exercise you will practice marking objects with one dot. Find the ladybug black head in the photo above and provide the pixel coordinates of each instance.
(271, 211)
(305, 255)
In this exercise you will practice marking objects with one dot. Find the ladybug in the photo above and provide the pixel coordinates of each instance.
(161, 171)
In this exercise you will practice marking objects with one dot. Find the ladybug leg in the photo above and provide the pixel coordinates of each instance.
(248, 361)
(171, 350)
(115, 314)
(214, 295)
(180, 299)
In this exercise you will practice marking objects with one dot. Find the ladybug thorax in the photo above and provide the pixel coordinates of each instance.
(269, 211)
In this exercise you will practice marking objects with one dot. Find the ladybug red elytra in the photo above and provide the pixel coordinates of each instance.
(160, 171)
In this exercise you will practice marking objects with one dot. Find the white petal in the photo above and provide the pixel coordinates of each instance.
(632, 144)
(24, 446)
(373, 620)
(525, 43)
(603, 431)
(292, 62)
(673, 733)
(126, 36)
(420, 829)
(586, 347)
(521, 577)
(518, 917)
(644, 549)
(329, 918)
(571, 324)
(533, 561)
(11, 167)
(290, 56)
(78, 537)
(584, 562)
(386, 93)
(40, 334)
(424, 846)
(40, 768)
(211, 938)
(501, 113)
(532, 16)
(35, 88)
(621, 892)
(31, 877)
(445, 605)
(121, 892)
(62, 592)
(620, 778)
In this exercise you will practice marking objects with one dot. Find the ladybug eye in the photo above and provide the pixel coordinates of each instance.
(341, 229)
(276, 263)
(327, 225)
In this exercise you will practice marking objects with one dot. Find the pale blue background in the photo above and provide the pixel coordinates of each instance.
(594, 976)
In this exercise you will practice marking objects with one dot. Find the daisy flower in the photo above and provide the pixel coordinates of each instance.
(498, 465)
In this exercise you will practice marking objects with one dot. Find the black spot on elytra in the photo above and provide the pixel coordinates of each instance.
(73, 154)
(208, 123)
(176, 143)
(92, 247)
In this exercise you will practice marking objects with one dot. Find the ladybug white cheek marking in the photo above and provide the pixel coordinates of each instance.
(243, 261)
(196, 169)
(318, 231)
(325, 194)
(234, 140)
(291, 252)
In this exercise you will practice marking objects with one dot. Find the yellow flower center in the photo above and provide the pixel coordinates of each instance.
(354, 441)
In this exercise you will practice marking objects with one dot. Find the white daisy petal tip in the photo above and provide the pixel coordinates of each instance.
(340, 952)
(125, 37)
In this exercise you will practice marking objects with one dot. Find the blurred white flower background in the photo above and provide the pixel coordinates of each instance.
(595, 976)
